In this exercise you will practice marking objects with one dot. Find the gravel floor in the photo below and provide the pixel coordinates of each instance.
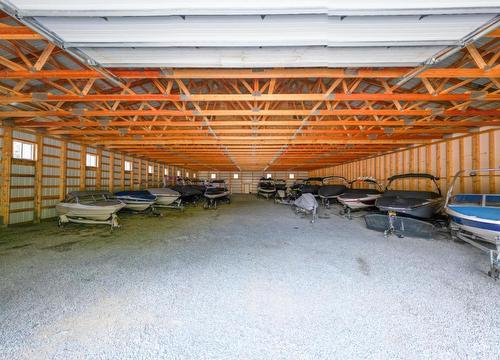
(250, 280)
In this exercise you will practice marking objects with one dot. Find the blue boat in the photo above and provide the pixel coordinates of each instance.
(474, 215)
(139, 200)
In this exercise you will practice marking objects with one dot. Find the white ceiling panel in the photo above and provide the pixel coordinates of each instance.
(273, 30)
(261, 57)
(255, 7)
(235, 33)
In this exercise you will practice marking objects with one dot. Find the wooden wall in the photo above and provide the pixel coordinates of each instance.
(247, 180)
(29, 190)
(443, 159)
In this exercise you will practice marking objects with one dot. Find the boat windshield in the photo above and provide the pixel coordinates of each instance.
(492, 200)
(468, 199)
(476, 200)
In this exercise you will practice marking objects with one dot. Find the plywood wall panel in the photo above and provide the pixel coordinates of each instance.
(442, 159)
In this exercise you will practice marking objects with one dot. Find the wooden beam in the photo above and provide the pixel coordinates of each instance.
(47, 97)
(98, 171)
(83, 167)
(111, 174)
(492, 161)
(6, 173)
(63, 163)
(250, 74)
(226, 113)
(38, 189)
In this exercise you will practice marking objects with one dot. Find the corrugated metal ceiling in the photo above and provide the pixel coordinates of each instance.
(359, 33)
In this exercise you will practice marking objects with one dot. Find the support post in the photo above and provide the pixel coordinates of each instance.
(38, 179)
(111, 174)
(83, 166)
(63, 164)
(6, 170)
(98, 171)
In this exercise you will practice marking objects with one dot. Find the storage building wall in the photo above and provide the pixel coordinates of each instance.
(442, 159)
(29, 190)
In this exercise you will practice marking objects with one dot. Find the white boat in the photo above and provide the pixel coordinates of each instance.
(165, 196)
(94, 207)
(136, 200)
(356, 198)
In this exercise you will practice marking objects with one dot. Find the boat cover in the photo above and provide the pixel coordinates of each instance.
(306, 201)
(357, 193)
(331, 190)
(187, 190)
(139, 194)
(406, 194)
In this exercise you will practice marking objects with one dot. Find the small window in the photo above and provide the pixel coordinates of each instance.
(23, 150)
(236, 176)
(291, 176)
(187, 174)
(150, 169)
(165, 171)
(127, 166)
(194, 176)
(178, 173)
(91, 160)
(269, 176)
(213, 176)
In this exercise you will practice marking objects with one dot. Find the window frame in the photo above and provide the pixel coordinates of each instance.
(236, 176)
(269, 176)
(151, 169)
(291, 176)
(213, 176)
(125, 166)
(90, 156)
(33, 151)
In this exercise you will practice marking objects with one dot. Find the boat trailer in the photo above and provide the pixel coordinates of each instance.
(492, 250)
(401, 226)
(177, 205)
(113, 221)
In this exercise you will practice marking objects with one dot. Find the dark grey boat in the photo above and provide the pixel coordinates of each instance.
(418, 204)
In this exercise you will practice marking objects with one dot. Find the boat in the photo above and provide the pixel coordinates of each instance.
(166, 197)
(266, 188)
(216, 193)
(356, 198)
(407, 212)
(311, 185)
(477, 215)
(295, 189)
(475, 218)
(138, 200)
(189, 193)
(281, 195)
(418, 204)
(89, 207)
(306, 204)
(331, 187)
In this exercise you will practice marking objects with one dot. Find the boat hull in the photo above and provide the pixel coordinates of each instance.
(217, 195)
(359, 203)
(487, 230)
(91, 212)
(422, 212)
(137, 205)
(165, 196)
